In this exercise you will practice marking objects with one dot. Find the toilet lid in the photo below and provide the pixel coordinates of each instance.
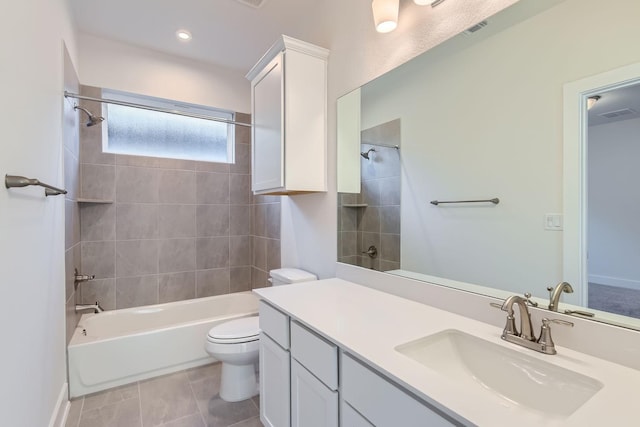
(246, 327)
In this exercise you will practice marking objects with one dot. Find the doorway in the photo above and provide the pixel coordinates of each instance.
(601, 195)
(613, 200)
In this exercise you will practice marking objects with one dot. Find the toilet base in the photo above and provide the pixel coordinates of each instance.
(238, 382)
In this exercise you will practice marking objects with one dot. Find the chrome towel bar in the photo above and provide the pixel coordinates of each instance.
(11, 181)
(495, 201)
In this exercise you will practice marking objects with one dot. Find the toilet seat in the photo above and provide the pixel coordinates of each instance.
(235, 331)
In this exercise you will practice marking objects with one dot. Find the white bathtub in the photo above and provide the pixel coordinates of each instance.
(123, 346)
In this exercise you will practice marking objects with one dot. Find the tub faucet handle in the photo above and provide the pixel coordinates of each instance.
(78, 278)
(372, 251)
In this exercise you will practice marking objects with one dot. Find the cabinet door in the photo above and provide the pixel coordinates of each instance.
(312, 403)
(267, 142)
(382, 403)
(274, 384)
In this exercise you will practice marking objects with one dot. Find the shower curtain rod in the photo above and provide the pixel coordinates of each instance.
(150, 108)
(397, 147)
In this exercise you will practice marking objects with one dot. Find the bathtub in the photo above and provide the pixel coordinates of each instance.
(123, 346)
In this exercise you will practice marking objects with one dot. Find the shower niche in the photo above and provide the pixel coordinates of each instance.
(369, 221)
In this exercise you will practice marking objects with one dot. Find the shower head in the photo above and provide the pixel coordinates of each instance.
(92, 120)
(366, 153)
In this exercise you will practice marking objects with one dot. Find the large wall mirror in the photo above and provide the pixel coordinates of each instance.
(483, 117)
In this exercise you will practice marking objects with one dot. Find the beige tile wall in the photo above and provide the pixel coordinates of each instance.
(176, 229)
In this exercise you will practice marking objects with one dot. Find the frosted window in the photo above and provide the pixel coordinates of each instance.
(141, 132)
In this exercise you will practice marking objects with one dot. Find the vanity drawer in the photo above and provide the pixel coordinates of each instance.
(382, 402)
(275, 324)
(316, 354)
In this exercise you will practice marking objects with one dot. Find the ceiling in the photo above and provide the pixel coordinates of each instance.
(226, 33)
(616, 105)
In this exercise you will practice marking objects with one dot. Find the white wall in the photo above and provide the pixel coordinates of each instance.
(358, 55)
(114, 65)
(614, 207)
(32, 291)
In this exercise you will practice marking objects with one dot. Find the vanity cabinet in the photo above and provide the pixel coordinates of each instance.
(289, 119)
(275, 367)
(351, 417)
(298, 374)
(381, 402)
(300, 385)
(314, 379)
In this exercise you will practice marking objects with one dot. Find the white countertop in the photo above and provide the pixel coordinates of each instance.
(370, 324)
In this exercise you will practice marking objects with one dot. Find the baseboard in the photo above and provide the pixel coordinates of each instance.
(61, 411)
(614, 281)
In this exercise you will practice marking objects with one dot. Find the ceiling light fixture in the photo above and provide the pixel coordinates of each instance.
(183, 35)
(591, 101)
(433, 3)
(385, 15)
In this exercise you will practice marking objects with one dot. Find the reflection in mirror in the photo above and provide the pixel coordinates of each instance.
(369, 221)
(481, 116)
(613, 231)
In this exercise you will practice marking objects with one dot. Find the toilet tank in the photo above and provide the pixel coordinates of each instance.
(285, 276)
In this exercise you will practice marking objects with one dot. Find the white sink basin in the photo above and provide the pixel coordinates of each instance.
(514, 377)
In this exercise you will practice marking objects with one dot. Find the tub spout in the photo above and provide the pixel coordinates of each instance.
(95, 307)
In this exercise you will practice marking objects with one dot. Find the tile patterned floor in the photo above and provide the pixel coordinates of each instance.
(183, 399)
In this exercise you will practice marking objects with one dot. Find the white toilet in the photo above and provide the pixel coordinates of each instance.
(236, 344)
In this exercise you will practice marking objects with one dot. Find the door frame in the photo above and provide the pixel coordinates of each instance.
(574, 241)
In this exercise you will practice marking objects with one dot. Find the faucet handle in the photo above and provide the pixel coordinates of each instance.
(510, 326)
(580, 313)
(372, 251)
(545, 340)
(527, 296)
(545, 322)
(550, 289)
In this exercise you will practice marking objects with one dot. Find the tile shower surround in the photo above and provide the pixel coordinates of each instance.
(176, 230)
(378, 223)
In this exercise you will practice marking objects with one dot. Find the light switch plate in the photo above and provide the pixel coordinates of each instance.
(553, 222)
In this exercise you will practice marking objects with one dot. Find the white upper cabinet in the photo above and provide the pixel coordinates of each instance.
(289, 117)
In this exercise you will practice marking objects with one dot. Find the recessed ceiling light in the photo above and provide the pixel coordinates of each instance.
(183, 35)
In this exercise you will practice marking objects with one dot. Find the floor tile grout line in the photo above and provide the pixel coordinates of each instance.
(81, 411)
(140, 403)
(254, 404)
(181, 418)
(245, 420)
(193, 394)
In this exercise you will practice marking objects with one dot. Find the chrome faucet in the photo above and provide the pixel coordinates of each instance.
(525, 337)
(95, 307)
(555, 293)
(526, 329)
